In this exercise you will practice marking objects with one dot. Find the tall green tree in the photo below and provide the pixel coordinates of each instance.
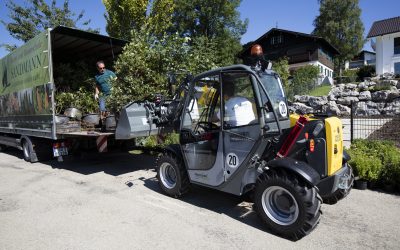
(127, 16)
(143, 66)
(29, 19)
(340, 24)
(218, 20)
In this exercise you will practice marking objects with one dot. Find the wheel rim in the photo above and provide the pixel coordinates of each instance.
(168, 175)
(25, 149)
(280, 205)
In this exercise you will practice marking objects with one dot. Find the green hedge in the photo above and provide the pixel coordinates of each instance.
(377, 161)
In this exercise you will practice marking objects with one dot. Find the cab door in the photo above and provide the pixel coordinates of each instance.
(240, 122)
(200, 135)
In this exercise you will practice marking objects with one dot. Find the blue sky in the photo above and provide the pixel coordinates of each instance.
(296, 15)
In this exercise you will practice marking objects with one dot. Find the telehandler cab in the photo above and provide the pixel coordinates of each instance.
(236, 136)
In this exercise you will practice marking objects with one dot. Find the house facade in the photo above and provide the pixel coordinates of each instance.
(299, 48)
(385, 35)
(364, 58)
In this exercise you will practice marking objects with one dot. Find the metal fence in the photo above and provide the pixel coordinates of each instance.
(374, 124)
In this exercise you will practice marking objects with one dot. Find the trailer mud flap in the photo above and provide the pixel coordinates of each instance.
(101, 143)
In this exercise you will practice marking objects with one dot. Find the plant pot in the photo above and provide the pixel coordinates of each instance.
(372, 184)
(389, 187)
(111, 123)
(360, 184)
(61, 119)
(92, 119)
(73, 113)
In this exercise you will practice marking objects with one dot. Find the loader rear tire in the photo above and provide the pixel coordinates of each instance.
(288, 206)
(172, 175)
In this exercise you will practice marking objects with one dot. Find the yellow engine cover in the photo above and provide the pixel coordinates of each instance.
(334, 144)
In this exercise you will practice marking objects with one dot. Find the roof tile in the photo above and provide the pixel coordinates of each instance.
(383, 27)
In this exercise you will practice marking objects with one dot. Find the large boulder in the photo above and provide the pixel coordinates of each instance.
(347, 100)
(331, 97)
(331, 108)
(344, 110)
(348, 92)
(336, 91)
(394, 93)
(376, 105)
(362, 109)
(302, 107)
(301, 98)
(317, 102)
(362, 86)
(364, 96)
(381, 95)
(350, 86)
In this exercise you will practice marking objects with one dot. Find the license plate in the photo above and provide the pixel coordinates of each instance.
(60, 152)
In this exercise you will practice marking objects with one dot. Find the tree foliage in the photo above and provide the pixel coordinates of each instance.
(304, 80)
(218, 20)
(340, 24)
(34, 16)
(143, 66)
(125, 16)
(281, 66)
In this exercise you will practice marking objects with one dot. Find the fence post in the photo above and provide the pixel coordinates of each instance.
(351, 121)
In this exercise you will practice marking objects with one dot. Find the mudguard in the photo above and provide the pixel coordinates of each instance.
(301, 168)
(174, 149)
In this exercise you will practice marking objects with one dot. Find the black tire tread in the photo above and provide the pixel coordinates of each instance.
(184, 186)
(309, 194)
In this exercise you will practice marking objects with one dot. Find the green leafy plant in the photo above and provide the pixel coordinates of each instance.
(365, 71)
(376, 161)
(304, 80)
(143, 66)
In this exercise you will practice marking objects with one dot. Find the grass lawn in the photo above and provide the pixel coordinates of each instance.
(320, 90)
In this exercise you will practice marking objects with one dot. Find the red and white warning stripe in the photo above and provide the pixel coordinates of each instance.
(101, 142)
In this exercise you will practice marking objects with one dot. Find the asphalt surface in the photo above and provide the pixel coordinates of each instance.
(114, 202)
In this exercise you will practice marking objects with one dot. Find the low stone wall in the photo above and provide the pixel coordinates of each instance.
(371, 98)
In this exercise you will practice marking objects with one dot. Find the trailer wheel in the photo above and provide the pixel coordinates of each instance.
(287, 205)
(172, 176)
(2, 148)
(26, 150)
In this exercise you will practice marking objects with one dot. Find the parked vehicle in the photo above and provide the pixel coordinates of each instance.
(289, 164)
(28, 118)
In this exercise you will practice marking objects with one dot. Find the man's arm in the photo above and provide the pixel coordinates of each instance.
(96, 92)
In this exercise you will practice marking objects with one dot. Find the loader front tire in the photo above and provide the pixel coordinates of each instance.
(172, 175)
(288, 206)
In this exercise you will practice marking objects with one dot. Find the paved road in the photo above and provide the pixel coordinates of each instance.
(114, 202)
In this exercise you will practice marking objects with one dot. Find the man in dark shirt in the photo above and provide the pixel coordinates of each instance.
(103, 85)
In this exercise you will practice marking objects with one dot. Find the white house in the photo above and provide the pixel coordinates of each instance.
(385, 35)
(363, 58)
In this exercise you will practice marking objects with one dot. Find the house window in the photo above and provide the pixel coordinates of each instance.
(276, 39)
(397, 68)
(320, 69)
(397, 46)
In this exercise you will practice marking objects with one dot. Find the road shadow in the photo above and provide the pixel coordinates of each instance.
(110, 163)
(236, 207)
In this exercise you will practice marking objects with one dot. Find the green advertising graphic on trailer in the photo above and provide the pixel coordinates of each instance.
(24, 88)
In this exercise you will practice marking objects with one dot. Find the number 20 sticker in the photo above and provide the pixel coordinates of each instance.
(232, 160)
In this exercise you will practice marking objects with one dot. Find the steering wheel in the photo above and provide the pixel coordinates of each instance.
(207, 125)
